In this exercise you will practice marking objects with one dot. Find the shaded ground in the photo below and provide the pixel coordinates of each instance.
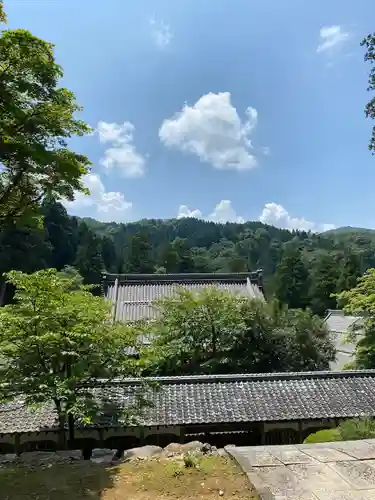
(142, 480)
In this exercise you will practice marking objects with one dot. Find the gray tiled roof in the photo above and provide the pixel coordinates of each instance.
(337, 321)
(224, 399)
(340, 326)
(134, 295)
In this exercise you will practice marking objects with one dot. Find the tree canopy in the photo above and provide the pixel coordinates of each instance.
(55, 339)
(291, 279)
(37, 118)
(369, 43)
(360, 301)
(3, 18)
(217, 332)
(327, 263)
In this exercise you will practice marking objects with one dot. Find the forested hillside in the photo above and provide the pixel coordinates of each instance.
(301, 268)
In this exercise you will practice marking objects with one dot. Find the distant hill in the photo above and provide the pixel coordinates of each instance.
(331, 261)
(349, 229)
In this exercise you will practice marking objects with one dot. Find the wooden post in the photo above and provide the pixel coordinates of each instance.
(17, 444)
(300, 431)
(263, 433)
(182, 435)
(101, 438)
(141, 436)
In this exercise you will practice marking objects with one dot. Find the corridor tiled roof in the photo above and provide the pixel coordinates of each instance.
(215, 399)
(134, 295)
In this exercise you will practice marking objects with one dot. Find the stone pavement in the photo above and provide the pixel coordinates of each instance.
(325, 471)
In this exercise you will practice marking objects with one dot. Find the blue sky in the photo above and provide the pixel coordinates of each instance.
(227, 110)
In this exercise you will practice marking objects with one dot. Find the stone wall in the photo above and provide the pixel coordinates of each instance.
(107, 456)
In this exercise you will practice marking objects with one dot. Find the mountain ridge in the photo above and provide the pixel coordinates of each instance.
(94, 223)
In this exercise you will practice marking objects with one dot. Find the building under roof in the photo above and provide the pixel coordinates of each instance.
(340, 326)
(133, 295)
(182, 406)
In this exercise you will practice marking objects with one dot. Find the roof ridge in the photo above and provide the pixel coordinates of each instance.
(240, 377)
(183, 277)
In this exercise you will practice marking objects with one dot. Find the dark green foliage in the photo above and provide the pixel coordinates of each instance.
(138, 259)
(60, 228)
(309, 267)
(348, 430)
(176, 257)
(108, 251)
(360, 301)
(37, 120)
(302, 269)
(358, 428)
(307, 345)
(369, 44)
(326, 272)
(89, 261)
(349, 270)
(216, 332)
(24, 248)
(292, 279)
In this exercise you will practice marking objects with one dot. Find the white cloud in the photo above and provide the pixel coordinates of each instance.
(331, 38)
(122, 154)
(161, 33)
(276, 215)
(213, 130)
(109, 205)
(184, 212)
(223, 212)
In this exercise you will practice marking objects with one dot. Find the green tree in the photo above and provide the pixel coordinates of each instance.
(184, 260)
(257, 344)
(216, 332)
(22, 248)
(201, 260)
(54, 340)
(139, 259)
(357, 428)
(349, 271)
(237, 265)
(37, 118)
(307, 342)
(61, 233)
(369, 44)
(109, 256)
(348, 430)
(192, 331)
(291, 282)
(89, 260)
(3, 18)
(225, 257)
(71, 274)
(168, 258)
(176, 257)
(324, 278)
(360, 301)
